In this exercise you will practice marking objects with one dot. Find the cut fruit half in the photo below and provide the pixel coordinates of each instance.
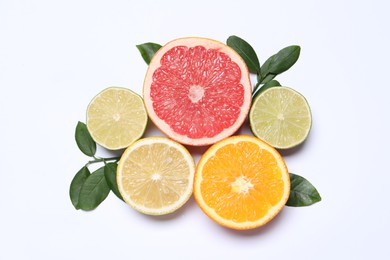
(116, 117)
(197, 91)
(280, 116)
(241, 182)
(155, 175)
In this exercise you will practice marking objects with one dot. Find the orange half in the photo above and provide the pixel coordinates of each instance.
(241, 182)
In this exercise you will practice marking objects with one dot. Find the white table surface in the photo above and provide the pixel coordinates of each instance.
(56, 55)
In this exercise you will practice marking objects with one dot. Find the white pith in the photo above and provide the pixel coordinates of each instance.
(195, 93)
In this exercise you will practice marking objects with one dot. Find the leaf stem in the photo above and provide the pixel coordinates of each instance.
(259, 77)
(96, 160)
(255, 88)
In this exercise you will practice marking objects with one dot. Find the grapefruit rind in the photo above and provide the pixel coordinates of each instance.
(211, 213)
(208, 44)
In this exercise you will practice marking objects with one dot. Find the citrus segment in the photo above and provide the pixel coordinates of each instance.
(280, 116)
(197, 90)
(155, 175)
(116, 117)
(241, 182)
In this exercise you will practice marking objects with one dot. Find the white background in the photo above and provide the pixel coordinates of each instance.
(56, 55)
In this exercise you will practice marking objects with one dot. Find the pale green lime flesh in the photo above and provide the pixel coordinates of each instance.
(116, 118)
(280, 116)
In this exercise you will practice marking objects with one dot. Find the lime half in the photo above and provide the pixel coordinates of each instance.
(280, 116)
(116, 118)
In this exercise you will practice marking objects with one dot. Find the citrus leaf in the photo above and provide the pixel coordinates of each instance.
(94, 190)
(148, 50)
(265, 68)
(302, 192)
(281, 61)
(269, 84)
(76, 184)
(246, 52)
(110, 174)
(84, 140)
(268, 78)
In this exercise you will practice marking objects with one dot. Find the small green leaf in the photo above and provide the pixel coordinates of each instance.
(269, 84)
(148, 50)
(281, 61)
(76, 184)
(302, 192)
(246, 52)
(265, 68)
(110, 174)
(94, 190)
(84, 140)
(268, 78)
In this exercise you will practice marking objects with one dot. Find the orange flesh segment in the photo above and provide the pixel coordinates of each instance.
(245, 182)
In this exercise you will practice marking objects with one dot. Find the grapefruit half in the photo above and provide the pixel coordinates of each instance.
(197, 91)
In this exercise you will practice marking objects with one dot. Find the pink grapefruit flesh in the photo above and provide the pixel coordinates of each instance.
(197, 91)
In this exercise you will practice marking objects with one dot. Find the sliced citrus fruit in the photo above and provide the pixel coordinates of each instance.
(280, 116)
(155, 175)
(241, 182)
(197, 91)
(116, 117)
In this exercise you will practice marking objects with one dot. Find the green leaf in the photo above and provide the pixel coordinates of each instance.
(84, 140)
(76, 184)
(148, 50)
(110, 174)
(246, 52)
(281, 61)
(302, 192)
(94, 190)
(265, 68)
(268, 78)
(269, 84)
